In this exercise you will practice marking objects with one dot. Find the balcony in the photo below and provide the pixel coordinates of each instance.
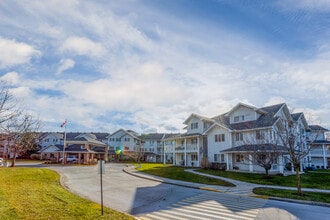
(189, 148)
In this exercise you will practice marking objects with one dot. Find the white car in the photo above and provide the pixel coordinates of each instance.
(70, 159)
(1, 161)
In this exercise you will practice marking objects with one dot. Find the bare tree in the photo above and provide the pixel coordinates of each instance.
(8, 110)
(294, 138)
(8, 106)
(264, 155)
(21, 133)
(262, 150)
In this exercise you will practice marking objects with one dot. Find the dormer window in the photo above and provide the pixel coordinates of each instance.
(194, 125)
(239, 118)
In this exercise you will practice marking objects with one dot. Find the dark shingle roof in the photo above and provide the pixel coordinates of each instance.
(317, 128)
(152, 136)
(272, 109)
(265, 120)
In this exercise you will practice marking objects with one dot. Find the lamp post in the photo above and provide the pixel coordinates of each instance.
(64, 142)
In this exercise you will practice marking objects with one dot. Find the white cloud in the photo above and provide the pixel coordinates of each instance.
(310, 5)
(152, 68)
(65, 64)
(14, 53)
(83, 46)
(11, 78)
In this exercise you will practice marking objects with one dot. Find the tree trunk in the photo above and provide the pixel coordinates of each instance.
(14, 159)
(298, 181)
(267, 173)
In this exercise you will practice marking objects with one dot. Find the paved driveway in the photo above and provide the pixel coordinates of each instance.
(121, 191)
(155, 200)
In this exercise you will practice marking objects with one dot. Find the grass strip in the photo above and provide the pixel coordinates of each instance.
(36, 193)
(178, 173)
(292, 194)
(308, 180)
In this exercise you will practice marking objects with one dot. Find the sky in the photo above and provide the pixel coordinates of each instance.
(146, 65)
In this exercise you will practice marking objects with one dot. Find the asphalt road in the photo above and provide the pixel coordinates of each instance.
(148, 199)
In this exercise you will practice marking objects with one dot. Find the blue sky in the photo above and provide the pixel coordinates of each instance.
(147, 65)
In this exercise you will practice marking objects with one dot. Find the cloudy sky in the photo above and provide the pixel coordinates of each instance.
(147, 65)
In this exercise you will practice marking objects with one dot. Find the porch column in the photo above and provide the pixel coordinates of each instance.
(280, 164)
(86, 158)
(185, 152)
(106, 153)
(227, 161)
(174, 156)
(57, 157)
(324, 158)
(79, 160)
(198, 161)
(250, 163)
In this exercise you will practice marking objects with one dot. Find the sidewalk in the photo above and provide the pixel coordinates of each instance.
(242, 188)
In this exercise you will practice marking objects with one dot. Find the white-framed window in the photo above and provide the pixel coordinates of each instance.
(260, 135)
(239, 136)
(239, 118)
(194, 125)
(222, 158)
(216, 157)
(194, 157)
(239, 158)
(219, 158)
(219, 137)
(194, 141)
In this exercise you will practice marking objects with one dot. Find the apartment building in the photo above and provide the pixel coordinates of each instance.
(227, 138)
(319, 156)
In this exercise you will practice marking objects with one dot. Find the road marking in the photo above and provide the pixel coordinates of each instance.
(210, 206)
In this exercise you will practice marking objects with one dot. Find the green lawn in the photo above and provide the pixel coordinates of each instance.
(36, 193)
(292, 194)
(311, 179)
(178, 173)
(308, 180)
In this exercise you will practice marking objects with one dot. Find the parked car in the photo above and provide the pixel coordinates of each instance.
(1, 161)
(70, 159)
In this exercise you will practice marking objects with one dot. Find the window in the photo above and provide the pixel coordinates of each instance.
(239, 136)
(239, 118)
(239, 158)
(219, 137)
(193, 157)
(126, 148)
(222, 157)
(205, 125)
(194, 125)
(260, 135)
(194, 141)
(219, 158)
(127, 139)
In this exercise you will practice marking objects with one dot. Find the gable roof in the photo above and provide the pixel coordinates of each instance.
(317, 128)
(244, 105)
(152, 136)
(126, 132)
(267, 118)
(203, 118)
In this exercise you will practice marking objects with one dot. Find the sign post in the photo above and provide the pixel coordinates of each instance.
(101, 169)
